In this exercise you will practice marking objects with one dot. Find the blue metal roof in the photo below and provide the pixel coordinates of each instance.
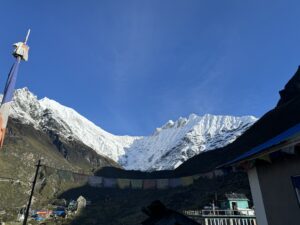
(284, 136)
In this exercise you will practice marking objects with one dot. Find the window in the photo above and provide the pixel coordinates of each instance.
(296, 184)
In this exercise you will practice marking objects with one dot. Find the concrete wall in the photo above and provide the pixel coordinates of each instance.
(257, 197)
(278, 194)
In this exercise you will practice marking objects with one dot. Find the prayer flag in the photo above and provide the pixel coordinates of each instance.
(7, 98)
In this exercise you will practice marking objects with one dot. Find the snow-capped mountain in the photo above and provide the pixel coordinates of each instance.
(175, 142)
(49, 115)
(167, 148)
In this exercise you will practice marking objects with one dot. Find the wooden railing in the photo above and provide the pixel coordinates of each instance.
(222, 217)
(222, 213)
(228, 221)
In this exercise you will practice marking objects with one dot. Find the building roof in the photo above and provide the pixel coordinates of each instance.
(160, 215)
(235, 196)
(284, 136)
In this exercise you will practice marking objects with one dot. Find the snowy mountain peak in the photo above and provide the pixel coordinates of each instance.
(169, 146)
(175, 142)
(49, 115)
(192, 116)
(168, 125)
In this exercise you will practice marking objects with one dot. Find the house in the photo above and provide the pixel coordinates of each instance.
(234, 201)
(274, 181)
(233, 209)
(270, 153)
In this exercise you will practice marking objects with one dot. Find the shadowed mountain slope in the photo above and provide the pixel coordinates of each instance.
(22, 148)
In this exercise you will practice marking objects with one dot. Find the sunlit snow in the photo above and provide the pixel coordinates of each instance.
(167, 148)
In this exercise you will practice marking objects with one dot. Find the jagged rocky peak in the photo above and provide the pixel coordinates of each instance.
(169, 124)
(177, 141)
(182, 121)
(169, 146)
(26, 106)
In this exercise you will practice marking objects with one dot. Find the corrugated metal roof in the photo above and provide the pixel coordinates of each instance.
(284, 136)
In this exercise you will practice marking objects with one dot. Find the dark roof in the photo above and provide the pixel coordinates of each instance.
(235, 196)
(276, 126)
(160, 215)
(284, 136)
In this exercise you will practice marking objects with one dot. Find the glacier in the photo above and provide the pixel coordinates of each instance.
(167, 148)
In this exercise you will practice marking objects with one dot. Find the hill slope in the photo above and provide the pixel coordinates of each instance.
(23, 146)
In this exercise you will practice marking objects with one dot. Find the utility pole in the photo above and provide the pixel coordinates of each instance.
(32, 191)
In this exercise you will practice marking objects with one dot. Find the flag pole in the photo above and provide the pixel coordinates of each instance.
(27, 36)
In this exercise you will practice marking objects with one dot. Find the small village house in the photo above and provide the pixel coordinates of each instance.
(234, 201)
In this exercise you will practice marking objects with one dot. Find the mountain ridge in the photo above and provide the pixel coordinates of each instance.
(167, 148)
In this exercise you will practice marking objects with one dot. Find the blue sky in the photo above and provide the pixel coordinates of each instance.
(129, 66)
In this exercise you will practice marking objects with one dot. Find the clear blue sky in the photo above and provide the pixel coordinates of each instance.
(129, 66)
